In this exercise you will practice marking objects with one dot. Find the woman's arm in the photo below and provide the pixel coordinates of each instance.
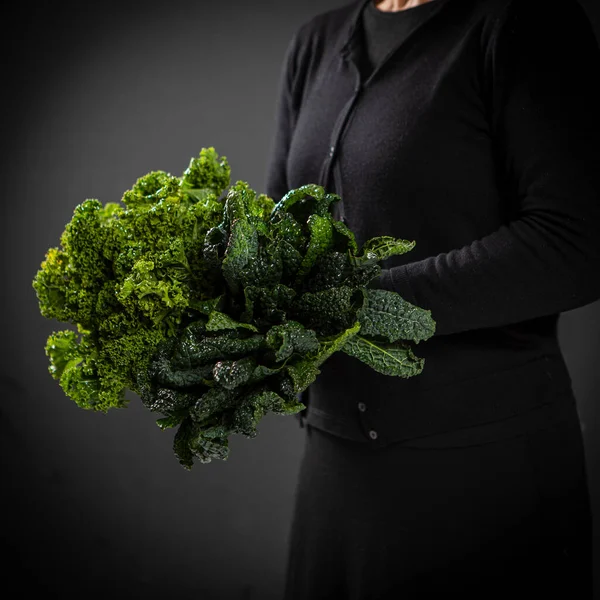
(543, 69)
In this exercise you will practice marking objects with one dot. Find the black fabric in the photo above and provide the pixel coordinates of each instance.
(506, 519)
(382, 30)
(477, 139)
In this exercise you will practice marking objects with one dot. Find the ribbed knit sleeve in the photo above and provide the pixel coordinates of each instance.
(541, 77)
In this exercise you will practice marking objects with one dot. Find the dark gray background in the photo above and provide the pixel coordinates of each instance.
(93, 96)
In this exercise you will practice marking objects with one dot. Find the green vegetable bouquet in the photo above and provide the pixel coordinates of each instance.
(215, 304)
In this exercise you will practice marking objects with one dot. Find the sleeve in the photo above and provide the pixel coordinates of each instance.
(541, 73)
(285, 116)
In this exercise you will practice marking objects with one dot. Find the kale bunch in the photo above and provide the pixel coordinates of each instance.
(295, 288)
(126, 277)
(215, 304)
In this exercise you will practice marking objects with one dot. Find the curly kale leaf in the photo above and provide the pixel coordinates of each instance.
(82, 375)
(150, 189)
(145, 291)
(72, 276)
(128, 276)
(208, 173)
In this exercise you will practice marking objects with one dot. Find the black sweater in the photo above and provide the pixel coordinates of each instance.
(478, 139)
(383, 30)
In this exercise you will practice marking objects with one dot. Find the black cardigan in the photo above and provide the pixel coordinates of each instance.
(478, 138)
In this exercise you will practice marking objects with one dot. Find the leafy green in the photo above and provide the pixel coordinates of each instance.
(388, 359)
(386, 314)
(217, 305)
(384, 247)
(127, 278)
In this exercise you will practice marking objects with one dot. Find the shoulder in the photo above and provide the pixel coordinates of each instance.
(534, 33)
(538, 18)
(323, 30)
(315, 39)
(529, 19)
(328, 24)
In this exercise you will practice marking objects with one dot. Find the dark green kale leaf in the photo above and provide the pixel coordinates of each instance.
(383, 247)
(343, 238)
(215, 244)
(321, 240)
(192, 441)
(328, 311)
(267, 306)
(251, 408)
(389, 359)
(304, 371)
(285, 228)
(198, 347)
(291, 337)
(213, 402)
(241, 252)
(330, 270)
(291, 259)
(305, 201)
(218, 320)
(266, 269)
(233, 373)
(387, 315)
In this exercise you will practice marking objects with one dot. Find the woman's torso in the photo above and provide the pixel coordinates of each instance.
(412, 151)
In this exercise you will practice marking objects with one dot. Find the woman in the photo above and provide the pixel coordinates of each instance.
(472, 128)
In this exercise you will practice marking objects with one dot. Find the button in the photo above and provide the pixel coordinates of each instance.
(362, 406)
(331, 150)
(373, 434)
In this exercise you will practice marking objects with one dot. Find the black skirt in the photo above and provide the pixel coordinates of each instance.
(509, 518)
